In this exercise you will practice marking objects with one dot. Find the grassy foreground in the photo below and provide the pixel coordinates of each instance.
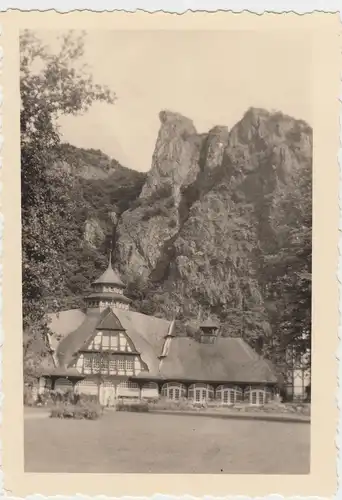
(137, 442)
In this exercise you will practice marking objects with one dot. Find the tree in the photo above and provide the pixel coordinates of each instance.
(51, 85)
(289, 267)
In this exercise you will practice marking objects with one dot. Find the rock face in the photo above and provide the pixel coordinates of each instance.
(197, 180)
(175, 158)
(182, 162)
(94, 234)
(206, 201)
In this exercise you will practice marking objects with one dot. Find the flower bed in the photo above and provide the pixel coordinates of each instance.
(78, 411)
(139, 406)
(213, 406)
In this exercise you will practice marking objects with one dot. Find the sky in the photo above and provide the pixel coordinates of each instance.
(212, 77)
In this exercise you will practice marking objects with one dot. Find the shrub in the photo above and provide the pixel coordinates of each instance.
(88, 398)
(79, 411)
(43, 399)
(166, 404)
(29, 399)
(141, 406)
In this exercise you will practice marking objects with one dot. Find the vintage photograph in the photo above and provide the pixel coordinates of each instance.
(166, 224)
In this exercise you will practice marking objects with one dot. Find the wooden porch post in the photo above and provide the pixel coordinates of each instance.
(140, 385)
(186, 385)
(160, 385)
(215, 386)
(98, 387)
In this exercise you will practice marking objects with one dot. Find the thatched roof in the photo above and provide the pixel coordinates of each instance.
(227, 360)
(146, 332)
(75, 340)
(62, 323)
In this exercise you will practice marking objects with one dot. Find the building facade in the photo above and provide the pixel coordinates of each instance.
(298, 371)
(112, 352)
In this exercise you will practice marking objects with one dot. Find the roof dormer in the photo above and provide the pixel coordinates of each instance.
(208, 331)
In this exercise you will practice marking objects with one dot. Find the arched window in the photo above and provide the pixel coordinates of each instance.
(174, 390)
(229, 395)
(257, 396)
(201, 392)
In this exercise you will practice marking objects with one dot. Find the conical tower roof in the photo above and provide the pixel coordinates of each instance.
(109, 277)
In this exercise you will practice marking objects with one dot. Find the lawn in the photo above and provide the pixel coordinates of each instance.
(132, 442)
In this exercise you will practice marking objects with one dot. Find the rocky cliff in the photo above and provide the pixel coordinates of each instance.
(204, 216)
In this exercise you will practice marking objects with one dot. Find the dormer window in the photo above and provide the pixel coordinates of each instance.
(209, 332)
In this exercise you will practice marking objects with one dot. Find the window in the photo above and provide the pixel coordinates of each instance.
(123, 343)
(104, 365)
(256, 396)
(201, 392)
(229, 395)
(97, 342)
(105, 341)
(121, 364)
(96, 364)
(173, 390)
(87, 364)
(114, 342)
(129, 364)
(112, 366)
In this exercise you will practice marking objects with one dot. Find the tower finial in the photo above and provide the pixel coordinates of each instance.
(110, 258)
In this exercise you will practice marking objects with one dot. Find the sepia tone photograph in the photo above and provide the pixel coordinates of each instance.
(166, 225)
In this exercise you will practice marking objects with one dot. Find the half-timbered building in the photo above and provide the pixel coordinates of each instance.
(111, 351)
